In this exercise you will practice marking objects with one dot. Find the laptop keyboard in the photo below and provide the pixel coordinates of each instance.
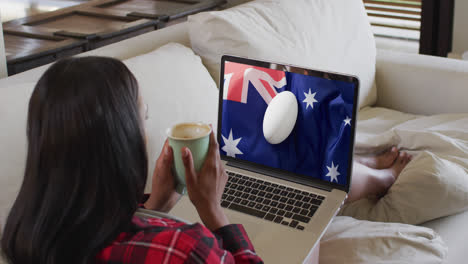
(273, 202)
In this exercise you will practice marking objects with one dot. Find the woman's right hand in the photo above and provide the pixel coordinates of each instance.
(206, 187)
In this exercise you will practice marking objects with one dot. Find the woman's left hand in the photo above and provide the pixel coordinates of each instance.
(163, 195)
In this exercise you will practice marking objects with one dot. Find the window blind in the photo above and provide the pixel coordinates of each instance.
(395, 18)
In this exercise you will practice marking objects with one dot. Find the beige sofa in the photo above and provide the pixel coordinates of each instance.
(3, 68)
(409, 83)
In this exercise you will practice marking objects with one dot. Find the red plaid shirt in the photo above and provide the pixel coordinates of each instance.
(161, 240)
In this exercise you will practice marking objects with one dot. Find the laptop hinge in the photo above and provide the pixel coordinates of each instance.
(279, 175)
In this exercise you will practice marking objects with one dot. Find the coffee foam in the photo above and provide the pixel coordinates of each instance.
(189, 130)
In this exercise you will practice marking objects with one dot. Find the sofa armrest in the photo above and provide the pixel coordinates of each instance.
(144, 43)
(121, 50)
(420, 84)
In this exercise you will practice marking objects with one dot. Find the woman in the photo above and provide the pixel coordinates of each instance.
(85, 176)
(86, 171)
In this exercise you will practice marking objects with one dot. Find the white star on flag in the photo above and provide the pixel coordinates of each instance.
(230, 145)
(347, 121)
(333, 172)
(310, 99)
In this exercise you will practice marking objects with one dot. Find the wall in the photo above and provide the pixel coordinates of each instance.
(460, 27)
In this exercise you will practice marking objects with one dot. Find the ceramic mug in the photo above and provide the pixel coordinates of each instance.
(196, 137)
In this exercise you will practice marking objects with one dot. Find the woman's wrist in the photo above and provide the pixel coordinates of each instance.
(151, 203)
(213, 216)
(157, 204)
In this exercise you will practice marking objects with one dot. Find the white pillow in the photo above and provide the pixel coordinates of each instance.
(434, 184)
(331, 35)
(14, 101)
(352, 241)
(177, 88)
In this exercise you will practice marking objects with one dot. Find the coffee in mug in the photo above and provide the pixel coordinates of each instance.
(189, 131)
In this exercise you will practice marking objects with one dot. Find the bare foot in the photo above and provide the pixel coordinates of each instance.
(373, 182)
(386, 178)
(399, 164)
(381, 161)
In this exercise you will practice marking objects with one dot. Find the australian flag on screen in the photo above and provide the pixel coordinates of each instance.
(318, 146)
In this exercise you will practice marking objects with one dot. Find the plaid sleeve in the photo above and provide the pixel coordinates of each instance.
(234, 239)
(209, 248)
(161, 240)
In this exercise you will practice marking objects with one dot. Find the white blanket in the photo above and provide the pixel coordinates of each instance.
(355, 241)
(434, 183)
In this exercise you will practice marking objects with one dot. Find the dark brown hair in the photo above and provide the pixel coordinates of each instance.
(86, 165)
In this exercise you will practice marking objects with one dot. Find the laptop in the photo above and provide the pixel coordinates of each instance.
(286, 137)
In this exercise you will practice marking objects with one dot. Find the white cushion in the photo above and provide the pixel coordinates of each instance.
(352, 241)
(434, 184)
(331, 35)
(14, 101)
(177, 88)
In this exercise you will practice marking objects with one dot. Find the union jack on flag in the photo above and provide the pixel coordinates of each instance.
(238, 77)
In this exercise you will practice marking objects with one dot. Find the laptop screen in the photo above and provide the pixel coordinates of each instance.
(288, 118)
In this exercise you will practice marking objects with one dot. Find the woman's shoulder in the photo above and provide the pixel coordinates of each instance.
(154, 238)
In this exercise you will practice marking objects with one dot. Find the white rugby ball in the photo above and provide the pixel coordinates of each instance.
(280, 117)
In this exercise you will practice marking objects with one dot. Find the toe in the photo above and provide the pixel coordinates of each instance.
(405, 158)
(401, 157)
(394, 153)
(388, 158)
